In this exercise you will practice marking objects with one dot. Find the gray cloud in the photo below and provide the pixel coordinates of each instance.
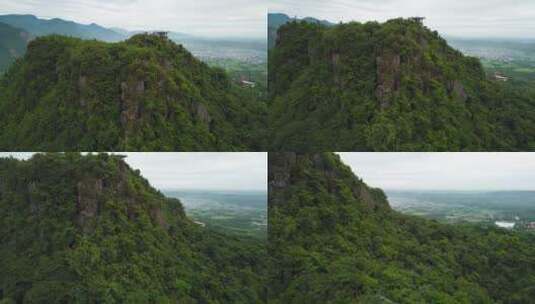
(183, 170)
(473, 18)
(214, 18)
(444, 171)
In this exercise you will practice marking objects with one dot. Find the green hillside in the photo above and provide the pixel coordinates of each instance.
(12, 45)
(393, 86)
(89, 229)
(145, 93)
(333, 239)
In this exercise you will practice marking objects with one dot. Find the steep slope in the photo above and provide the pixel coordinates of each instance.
(390, 86)
(146, 93)
(333, 239)
(12, 45)
(42, 27)
(88, 229)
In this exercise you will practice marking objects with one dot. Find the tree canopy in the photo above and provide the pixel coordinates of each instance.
(143, 94)
(393, 86)
(334, 239)
(89, 229)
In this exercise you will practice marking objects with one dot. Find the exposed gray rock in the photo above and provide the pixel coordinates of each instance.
(129, 103)
(88, 204)
(202, 113)
(456, 88)
(388, 78)
(82, 88)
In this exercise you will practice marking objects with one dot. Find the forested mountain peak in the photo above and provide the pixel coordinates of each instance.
(398, 48)
(88, 228)
(90, 179)
(395, 85)
(333, 239)
(288, 169)
(145, 93)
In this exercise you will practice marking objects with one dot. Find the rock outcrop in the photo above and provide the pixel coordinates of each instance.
(202, 113)
(388, 78)
(88, 203)
(456, 88)
(93, 191)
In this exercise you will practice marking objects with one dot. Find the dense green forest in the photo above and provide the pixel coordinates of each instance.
(393, 86)
(145, 93)
(333, 239)
(89, 229)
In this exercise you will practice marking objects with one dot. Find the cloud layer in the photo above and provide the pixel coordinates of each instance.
(214, 18)
(444, 171)
(473, 18)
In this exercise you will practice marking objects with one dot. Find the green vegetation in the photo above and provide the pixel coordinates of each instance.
(239, 70)
(395, 86)
(88, 229)
(145, 93)
(333, 239)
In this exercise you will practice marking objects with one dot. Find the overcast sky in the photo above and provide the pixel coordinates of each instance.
(463, 18)
(444, 171)
(207, 171)
(213, 18)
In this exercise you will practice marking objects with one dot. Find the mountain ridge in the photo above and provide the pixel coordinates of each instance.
(12, 44)
(42, 27)
(330, 243)
(276, 20)
(88, 228)
(140, 94)
(393, 86)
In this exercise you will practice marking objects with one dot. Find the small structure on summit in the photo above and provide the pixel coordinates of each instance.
(161, 34)
(420, 20)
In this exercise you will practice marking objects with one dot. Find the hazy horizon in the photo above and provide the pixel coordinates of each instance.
(473, 172)
(456, 18)
(229, 19)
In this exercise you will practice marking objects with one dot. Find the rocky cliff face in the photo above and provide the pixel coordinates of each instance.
(388, 78)
(93, 191)
(88, 202)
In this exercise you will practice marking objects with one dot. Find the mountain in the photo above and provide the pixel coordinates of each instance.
(145, 93)
(334, 239)
(393, 86)
(89, 229)
(276, 20)
(12, 45)
(42, 27)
